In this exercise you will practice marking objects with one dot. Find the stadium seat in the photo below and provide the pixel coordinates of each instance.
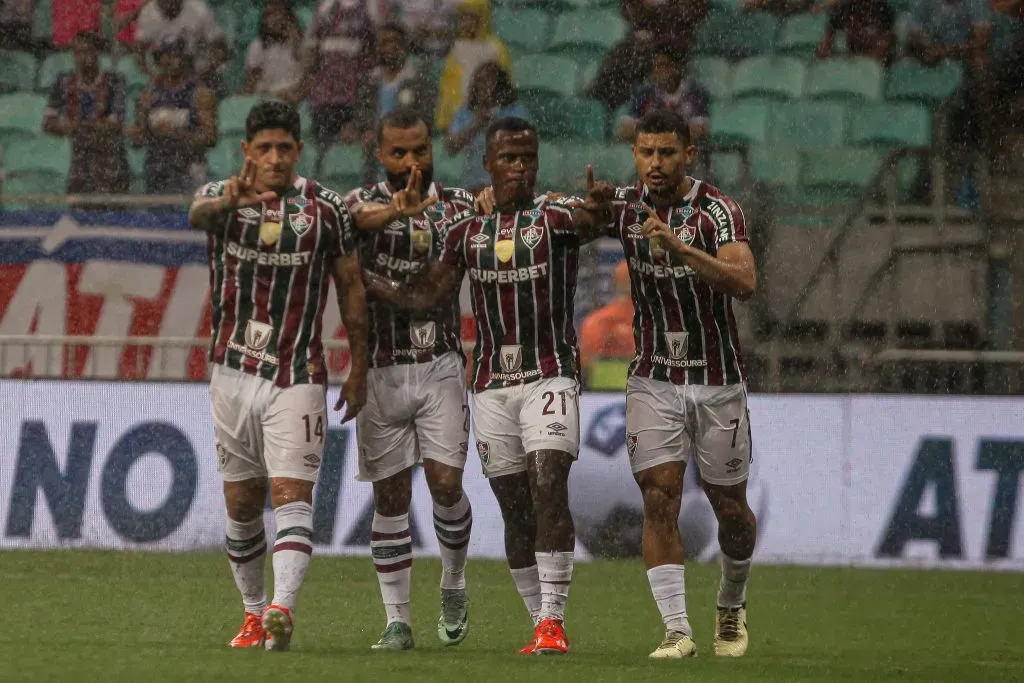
(736, 35)
(343, 166)
(727, 170)
(807, 124)
(613, 163)
(715, 74)
(909, 80)
(447, 167)
(42, 21)
(225, 159)
(555, 170)
(137, 161)
(548, 75)
(776, 166)
(580, 119)
(135, 81)
(841, 173)
(528, 29)
(744, 122)
(849, 78)
(891, 124)
(21, 116)
(587, 36)
(17, 71)
(799, 35)
(52, 67)
(41, 155)
(232, 112)
(780, 77)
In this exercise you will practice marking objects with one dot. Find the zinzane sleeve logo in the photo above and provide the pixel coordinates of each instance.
(211, 190)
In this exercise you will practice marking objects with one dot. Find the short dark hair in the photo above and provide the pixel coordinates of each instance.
(671, 49)
(508, 124)
(665, 121)
(273, 114)
(402, 118)
(394, 27)
(90, 38)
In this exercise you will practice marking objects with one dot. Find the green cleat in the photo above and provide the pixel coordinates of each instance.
(397, 636)
(453, 624)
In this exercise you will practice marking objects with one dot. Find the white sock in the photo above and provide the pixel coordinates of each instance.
(668, 585)
(391, 548)
(732, 589)
(452, 526)
(555, 570)
(528, 584)
(246, 543)
(292, 550)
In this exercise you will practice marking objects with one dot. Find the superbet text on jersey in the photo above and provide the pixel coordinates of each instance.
(269, 278)
(522, 275)
(397, 336)
(685, 331)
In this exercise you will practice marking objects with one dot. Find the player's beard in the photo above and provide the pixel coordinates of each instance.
(398, 181)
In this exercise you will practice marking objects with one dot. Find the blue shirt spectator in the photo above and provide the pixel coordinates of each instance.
(491, 97)
(668, 88)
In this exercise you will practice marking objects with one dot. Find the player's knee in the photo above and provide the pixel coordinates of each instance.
(445, 484)
(732, 512)
(661, 502)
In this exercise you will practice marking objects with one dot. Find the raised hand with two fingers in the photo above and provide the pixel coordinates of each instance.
(240, 190)
(408, 201)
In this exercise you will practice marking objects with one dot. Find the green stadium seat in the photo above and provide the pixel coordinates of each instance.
(732, 35)
(903, 5)
(17, 71)
(555, 170)
(580, 119)
(776, 166)
(715, 74)
(587, 35)
(608, 375)
(891, 124)
(137, 161)
(909, 80)
(305, 16)
(41, 155)
(228, 19)
(42, 21)
(800, 34)
(807, 124)
(780, 77)
(849, 78)
(727, 170)
(21, 115)
(135, 81)
(232, 112)
(528, 29)
(343, 167)
(448, 168)
(613, 163)
(841, 174)
(743, 122)
(589, 4)
(548, 75)
(225, 159)
(52, 67)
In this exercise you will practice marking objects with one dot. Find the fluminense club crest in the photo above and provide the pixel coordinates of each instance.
(531, 235)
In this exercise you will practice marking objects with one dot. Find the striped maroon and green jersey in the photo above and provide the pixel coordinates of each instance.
(522, 278)
(685, 332)
(269, 276)
(396, 336)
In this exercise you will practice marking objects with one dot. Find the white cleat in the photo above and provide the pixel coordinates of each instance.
(675, 646)
(731, 631)
(278, 625)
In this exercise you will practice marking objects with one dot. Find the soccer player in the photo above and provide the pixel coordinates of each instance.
(686, 246)
(274, 238)
(522, 265)
(416, 409)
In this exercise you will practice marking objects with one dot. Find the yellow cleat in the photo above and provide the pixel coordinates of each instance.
(731, 631)
(675, 646)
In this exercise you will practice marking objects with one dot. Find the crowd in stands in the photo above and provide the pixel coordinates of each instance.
(149, 82)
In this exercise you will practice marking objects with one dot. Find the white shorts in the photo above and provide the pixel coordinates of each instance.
(510, 422)
(264, 430)
(668, 422)
(413, 412)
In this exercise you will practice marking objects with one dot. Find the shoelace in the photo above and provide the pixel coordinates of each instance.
(251, 625)
(672, 638)
(550, 630)
(729, 624)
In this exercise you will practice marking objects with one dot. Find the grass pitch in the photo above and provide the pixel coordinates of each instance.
(98, 616)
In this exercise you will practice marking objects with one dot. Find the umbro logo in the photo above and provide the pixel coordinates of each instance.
(733, 465)
(479, 238)
(248, 212)
(556, 429)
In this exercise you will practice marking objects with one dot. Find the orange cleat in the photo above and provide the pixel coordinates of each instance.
(530, 648)
(550, 639)
(251, 634)
(278, 626)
